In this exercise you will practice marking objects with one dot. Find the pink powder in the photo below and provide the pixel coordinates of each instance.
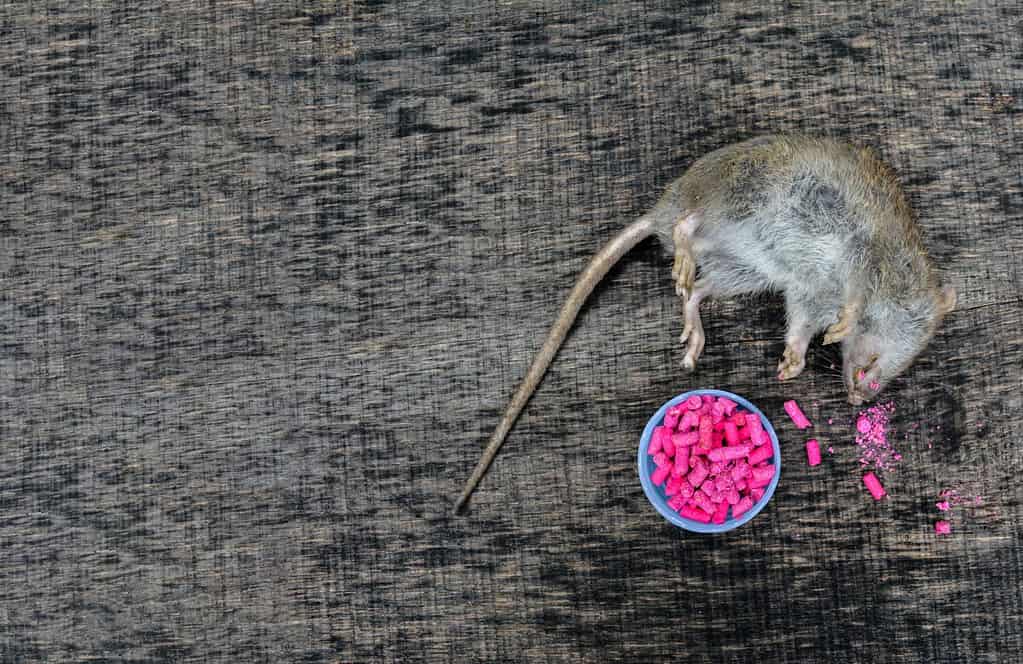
(872, 437)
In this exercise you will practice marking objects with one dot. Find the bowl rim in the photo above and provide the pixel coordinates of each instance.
(671, 515)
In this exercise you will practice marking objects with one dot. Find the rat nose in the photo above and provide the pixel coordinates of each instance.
(855, 399)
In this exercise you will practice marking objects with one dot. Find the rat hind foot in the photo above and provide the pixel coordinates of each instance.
(692, 329)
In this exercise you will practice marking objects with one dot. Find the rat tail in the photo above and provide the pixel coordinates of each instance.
(599, 265)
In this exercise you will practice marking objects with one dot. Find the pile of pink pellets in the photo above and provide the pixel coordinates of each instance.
(712, 457)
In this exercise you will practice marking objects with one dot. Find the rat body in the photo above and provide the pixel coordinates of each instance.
(821, 221)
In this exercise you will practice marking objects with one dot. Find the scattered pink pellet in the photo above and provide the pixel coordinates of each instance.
(863, 424)
(874, 486)
(813, 452)
(798, 418)
(831, 420)
(943, 505)
(942, 528)
(831, 450)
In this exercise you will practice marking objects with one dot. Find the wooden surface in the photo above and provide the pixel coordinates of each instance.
(269, 271)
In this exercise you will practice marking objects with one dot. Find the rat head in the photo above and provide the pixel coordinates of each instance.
(888, 336)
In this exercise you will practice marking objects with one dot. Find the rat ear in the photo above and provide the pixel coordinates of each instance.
(947, 299)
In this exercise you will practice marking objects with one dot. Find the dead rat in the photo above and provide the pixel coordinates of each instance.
(824, 222)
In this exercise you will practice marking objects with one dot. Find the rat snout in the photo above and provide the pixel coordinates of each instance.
(855, 398)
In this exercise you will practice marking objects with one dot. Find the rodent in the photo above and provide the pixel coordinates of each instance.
(824, 222)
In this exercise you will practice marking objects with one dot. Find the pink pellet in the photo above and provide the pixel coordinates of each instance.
(762, 453)
(720, 513)
(731, 453)
(874, 385)
(798, 418)
(655, 442)
(671, 418)
(661, 459)
(698, 474)
(732, 496)
(874, 486)
(667, 446)
(659, 475)
(727, 405)
(942, 527)
(673, 486)
(694, 402)
(741, 507)
(757, 493)
(762, 476)
(813, 452)
(690, 512)
(681, 466)
(686, 490)
(677, 501)
(689, 420)
(740, 484)
(703, 501)
(755, 425)
(943, 505)
(716, 466)
(706, 429)
(740, 470)
(731, 433)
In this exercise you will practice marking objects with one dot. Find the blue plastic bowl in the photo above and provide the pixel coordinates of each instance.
(655, 494)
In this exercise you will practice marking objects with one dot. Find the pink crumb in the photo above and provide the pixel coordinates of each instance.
(943, 505)
(874, 437)
(942, 528)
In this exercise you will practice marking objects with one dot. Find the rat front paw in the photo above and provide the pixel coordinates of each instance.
(792, 364)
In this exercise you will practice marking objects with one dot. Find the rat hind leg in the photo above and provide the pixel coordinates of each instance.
(692, 328)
